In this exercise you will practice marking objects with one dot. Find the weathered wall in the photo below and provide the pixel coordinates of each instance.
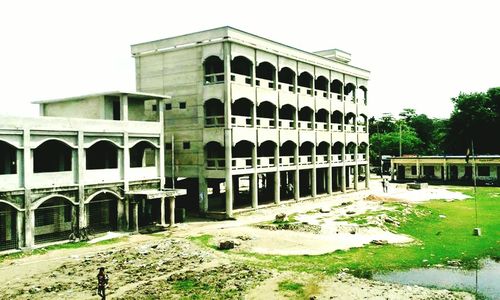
(89, 108)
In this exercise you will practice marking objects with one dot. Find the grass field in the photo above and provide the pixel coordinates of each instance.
(439, 239)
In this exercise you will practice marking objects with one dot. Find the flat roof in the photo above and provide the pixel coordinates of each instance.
(229, 33)
(136, 95)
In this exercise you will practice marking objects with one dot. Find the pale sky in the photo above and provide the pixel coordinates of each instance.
(420, 53)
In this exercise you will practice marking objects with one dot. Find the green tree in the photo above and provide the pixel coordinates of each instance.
(476, 116)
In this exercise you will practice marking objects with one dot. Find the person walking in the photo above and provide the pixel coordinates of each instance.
(386, 185)
(102, 282)
(383, 184)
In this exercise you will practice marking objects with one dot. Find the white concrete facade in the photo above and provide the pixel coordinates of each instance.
(250, 115)
(59, 173)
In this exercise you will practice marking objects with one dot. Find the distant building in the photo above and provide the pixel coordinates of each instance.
(447, 169)
(255, 121)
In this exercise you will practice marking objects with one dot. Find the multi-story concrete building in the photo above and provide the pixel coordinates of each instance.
(255, 121)
(447, 169)
(95, 160)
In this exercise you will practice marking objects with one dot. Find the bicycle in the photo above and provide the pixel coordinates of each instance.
(81, 234)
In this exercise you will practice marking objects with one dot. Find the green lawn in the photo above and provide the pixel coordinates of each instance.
(438, 240)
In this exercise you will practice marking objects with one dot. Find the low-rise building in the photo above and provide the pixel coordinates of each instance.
(447, 169)
(95, 160)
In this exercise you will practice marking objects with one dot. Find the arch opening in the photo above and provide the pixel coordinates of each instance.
(214, 70)
(52, 156)
(102, 155)
(102, 212)
(8, 159)
(265, 73)
(286, 79)
(8, 228)
(143, 154)
(214, 113)
(55, 219)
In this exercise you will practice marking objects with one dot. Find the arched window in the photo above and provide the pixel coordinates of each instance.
(102, 155)
(286, 79)
(305, 80)
(8, 158)
(52, 156)
(265, 73)
(143, 154)
(214, 70)
(214, 113)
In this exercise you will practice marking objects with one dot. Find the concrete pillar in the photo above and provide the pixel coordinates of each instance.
(392, 170)
(418, 169)
(277, 176)
(296, 185)
(127, 212)
(329, 189)
(367, 167)
(202, 188)
(171, 201)
(227, 130)
(445, 171)
(81, 167)
(120, 214)
(356, 169)
(124, 107)
(161, 152)
(29, 217)
(125, 162)
(135, 215)
(313, 173)
(162, 211)
(20, 228)
(343, 169)
(255, 179)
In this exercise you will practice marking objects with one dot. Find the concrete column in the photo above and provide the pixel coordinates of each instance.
(255, 179)
(81, 167)
(20, 228)
(418, 169)
(29, 218)
(203, 196)
(126, 161)
(171, 201)
(367, 168)
(342, 173)
(329, 189)
(162, 211)
(277, 175)
(392, 170)
(356, 171)
(161, 157)
(120, 214)
(135, 216)
(124, 107)
(127, 212)
(445, 171)
(313, 173)
(296, 185)
(227, 130)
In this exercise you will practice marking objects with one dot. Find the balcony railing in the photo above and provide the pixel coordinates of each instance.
(285, 87)
(350, 128)
(265, 162)
(305, 159)
(321, 126)
(336, 158)
(264, 83)
(361, 157)
(321, 158)
(214, 78)
(243, 79)
(336, 127)
(304, 91)
(214, 121)
(286, 124)
(321, 93)
(350, 97)
(336, 96)
(349, 157)
(216, 163)
(287, 161)
(241, 121)
(242, 163)
(266, 123)
(305, 125)
(361, 128)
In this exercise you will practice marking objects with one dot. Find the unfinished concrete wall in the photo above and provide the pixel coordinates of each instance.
(89, 108)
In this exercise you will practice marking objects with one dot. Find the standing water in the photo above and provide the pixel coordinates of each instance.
(488, 278)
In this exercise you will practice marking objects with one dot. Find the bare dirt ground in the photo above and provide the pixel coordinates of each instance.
(172, 267)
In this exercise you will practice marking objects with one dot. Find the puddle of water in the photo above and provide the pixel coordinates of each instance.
(488, 278)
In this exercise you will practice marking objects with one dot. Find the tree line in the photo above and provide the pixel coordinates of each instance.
(475, 119)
